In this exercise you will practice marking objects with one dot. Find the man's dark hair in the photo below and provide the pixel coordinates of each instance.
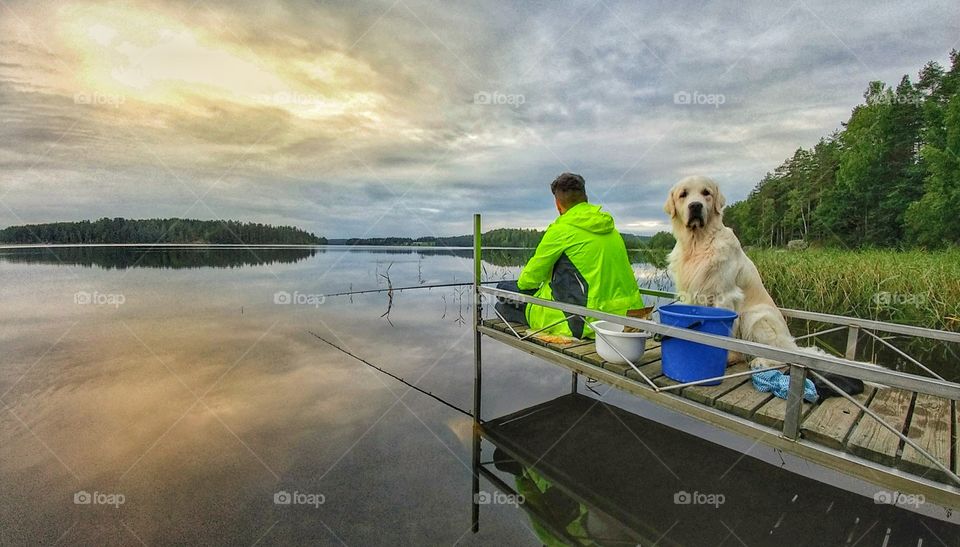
(569, 189)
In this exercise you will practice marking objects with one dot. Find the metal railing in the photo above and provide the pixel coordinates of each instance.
(799, 363)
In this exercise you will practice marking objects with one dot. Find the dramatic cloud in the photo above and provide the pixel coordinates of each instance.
(405, 117)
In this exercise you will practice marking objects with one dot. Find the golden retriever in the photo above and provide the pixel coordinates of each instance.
(710, 268)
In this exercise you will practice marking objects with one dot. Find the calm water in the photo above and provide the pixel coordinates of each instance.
(182, 391)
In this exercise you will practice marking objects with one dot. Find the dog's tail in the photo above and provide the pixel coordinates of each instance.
(817, 351)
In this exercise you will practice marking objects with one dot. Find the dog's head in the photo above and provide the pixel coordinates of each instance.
(695, 203)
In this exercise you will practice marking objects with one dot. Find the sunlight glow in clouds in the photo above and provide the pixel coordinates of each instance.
(149, 57)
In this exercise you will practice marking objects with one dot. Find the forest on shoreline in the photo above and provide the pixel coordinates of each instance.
(890, 177)
(158, 230)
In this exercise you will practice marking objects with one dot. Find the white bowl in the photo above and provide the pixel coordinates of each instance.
(630, 344)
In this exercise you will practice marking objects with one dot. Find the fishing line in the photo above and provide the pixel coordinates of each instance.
(410, 287)
(390, 374)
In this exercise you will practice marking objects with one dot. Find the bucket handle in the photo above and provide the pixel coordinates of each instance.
(660, 337)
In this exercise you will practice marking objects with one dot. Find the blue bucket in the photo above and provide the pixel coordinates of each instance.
(686, 361)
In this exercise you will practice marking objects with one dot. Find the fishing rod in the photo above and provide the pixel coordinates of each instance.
(410, 287)
(390, 374)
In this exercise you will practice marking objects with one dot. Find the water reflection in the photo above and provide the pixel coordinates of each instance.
(589, 473)
(121, 258)
(199, 396)
(203, 256)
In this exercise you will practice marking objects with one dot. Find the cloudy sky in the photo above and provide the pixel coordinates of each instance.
(404, 117)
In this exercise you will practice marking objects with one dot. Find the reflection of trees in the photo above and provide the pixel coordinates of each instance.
(519, 257)
(510, 257)
(507, 258)
(656, 257)
(121, 258)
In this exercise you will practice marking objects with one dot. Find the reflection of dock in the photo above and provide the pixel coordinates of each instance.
(632, 481)
(901, 439)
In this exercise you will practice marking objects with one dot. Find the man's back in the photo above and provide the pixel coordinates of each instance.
(580, 260)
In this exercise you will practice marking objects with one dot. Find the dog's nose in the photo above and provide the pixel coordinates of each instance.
(696, 207)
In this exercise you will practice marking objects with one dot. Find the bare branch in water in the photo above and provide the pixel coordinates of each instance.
(386, 276)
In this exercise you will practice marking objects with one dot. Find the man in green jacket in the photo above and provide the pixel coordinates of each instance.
(580, 260)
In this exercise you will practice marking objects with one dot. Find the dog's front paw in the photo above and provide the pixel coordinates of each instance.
(762, 362)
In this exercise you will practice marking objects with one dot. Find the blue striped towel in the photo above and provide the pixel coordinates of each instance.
(779, 383)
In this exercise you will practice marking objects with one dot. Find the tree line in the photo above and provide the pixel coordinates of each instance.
(159, 230)
(890, 177)
(121, 258)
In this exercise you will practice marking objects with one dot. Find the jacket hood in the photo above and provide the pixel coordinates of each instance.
(589, 217)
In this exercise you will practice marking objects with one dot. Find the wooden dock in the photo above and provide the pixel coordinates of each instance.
(834, 433)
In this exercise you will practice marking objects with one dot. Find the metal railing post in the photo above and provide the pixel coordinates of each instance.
(853, 333)
(477, 318)
(791, 417)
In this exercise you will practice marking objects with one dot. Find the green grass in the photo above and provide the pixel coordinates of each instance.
(911, 287)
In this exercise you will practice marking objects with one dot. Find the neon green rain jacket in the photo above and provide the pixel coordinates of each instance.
(580, 260)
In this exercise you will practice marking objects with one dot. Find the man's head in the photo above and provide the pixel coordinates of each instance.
(568, 189)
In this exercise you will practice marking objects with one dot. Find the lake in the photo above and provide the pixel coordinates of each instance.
(171, 396)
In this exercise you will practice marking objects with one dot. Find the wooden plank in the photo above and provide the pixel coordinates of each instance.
(871, 440)
(571, 345)
(663, 381)
(593, 358)
(742, 401)
(956, 437)
(830, 422)
(772, 413)
(708, 394)
(653, 371)
(580, 351)
(622, 368)
(929, 428)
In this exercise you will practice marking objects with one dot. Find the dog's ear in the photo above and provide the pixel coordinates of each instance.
(719, 201)
(669, 207)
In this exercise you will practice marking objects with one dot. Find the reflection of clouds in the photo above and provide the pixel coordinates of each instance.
(99, 399)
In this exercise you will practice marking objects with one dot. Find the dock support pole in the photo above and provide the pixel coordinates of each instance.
(791, 418)
(574, 377)
(477, 318)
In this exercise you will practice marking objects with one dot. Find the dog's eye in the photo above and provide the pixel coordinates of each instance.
(683, 194)
(706, 192)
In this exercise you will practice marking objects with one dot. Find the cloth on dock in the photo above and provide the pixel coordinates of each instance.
(779, 384)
